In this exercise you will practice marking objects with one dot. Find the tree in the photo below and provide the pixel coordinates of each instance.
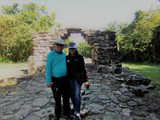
(115, 26)
(13, 9)
(17, 24)
(135, 40)
(13, 36)
(156, 44)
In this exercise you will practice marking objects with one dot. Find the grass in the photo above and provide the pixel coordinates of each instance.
(152, 71)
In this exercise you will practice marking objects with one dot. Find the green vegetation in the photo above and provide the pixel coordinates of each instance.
(17, 25)
(84, 49)
(66, 47)
(152, 71)
(139, 41)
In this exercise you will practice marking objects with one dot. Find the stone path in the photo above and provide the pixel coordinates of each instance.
(105, 100)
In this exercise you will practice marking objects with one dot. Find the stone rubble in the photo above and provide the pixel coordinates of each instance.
(106, 99)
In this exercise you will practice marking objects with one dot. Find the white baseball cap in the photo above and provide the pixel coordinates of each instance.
(60, 41)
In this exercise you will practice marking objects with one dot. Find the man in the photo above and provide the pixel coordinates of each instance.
(56, 72)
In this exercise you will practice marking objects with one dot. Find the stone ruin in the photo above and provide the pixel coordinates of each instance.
(109, 96)
(104, 49)
(104, 56)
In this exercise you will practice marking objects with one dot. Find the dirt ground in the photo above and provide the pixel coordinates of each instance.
(11, 70)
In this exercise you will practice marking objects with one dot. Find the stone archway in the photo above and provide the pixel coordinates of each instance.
(104, 52)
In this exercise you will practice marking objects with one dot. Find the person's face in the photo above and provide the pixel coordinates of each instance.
(72, 51)
(59, 47)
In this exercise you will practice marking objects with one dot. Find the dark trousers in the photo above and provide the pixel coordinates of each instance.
(61, 89)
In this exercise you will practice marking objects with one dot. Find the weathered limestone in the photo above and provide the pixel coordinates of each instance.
(43, 44)
(104, 53)
(8, 81)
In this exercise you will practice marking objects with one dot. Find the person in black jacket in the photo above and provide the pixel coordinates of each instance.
(77, 76)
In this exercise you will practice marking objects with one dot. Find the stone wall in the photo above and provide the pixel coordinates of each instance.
(104, 52)
(43, 44)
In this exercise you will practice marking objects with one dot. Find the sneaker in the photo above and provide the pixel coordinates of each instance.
(77, 116)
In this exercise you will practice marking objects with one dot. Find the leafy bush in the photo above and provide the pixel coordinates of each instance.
(84, 49)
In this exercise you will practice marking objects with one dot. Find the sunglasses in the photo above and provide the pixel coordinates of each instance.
(71, 48)
(59, 45)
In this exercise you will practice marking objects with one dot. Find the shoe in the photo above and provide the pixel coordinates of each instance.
(77, 116)
(67, 117)
(73, 112)
(53, 117)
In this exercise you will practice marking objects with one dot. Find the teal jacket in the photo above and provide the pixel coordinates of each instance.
(55, 65)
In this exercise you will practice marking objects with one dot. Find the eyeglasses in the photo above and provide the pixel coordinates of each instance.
(59, 45)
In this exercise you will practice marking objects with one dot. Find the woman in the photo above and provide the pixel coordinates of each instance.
(77, 76)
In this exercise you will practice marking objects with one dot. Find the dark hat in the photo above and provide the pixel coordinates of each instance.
(72, 45)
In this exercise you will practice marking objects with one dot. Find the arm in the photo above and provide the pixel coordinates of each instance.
(84, 71)
(48, 70)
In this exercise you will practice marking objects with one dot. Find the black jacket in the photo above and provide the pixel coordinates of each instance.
(76, 66)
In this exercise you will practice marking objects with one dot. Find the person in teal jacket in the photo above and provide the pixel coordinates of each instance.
(56, 78)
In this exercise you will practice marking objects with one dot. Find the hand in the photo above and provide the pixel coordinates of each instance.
(87, 85)
(49, 85)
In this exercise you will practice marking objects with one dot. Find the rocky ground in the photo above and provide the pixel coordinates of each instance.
(152, 100)
(106, 99)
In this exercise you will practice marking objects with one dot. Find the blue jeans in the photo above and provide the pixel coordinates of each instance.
(75, 95)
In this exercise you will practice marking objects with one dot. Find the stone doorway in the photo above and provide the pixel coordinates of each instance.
(104, 53)
(82, 46)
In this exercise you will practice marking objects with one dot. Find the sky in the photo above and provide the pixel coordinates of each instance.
(91, 14)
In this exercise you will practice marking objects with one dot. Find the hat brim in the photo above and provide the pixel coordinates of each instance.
(71, 47)
(60, 42)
